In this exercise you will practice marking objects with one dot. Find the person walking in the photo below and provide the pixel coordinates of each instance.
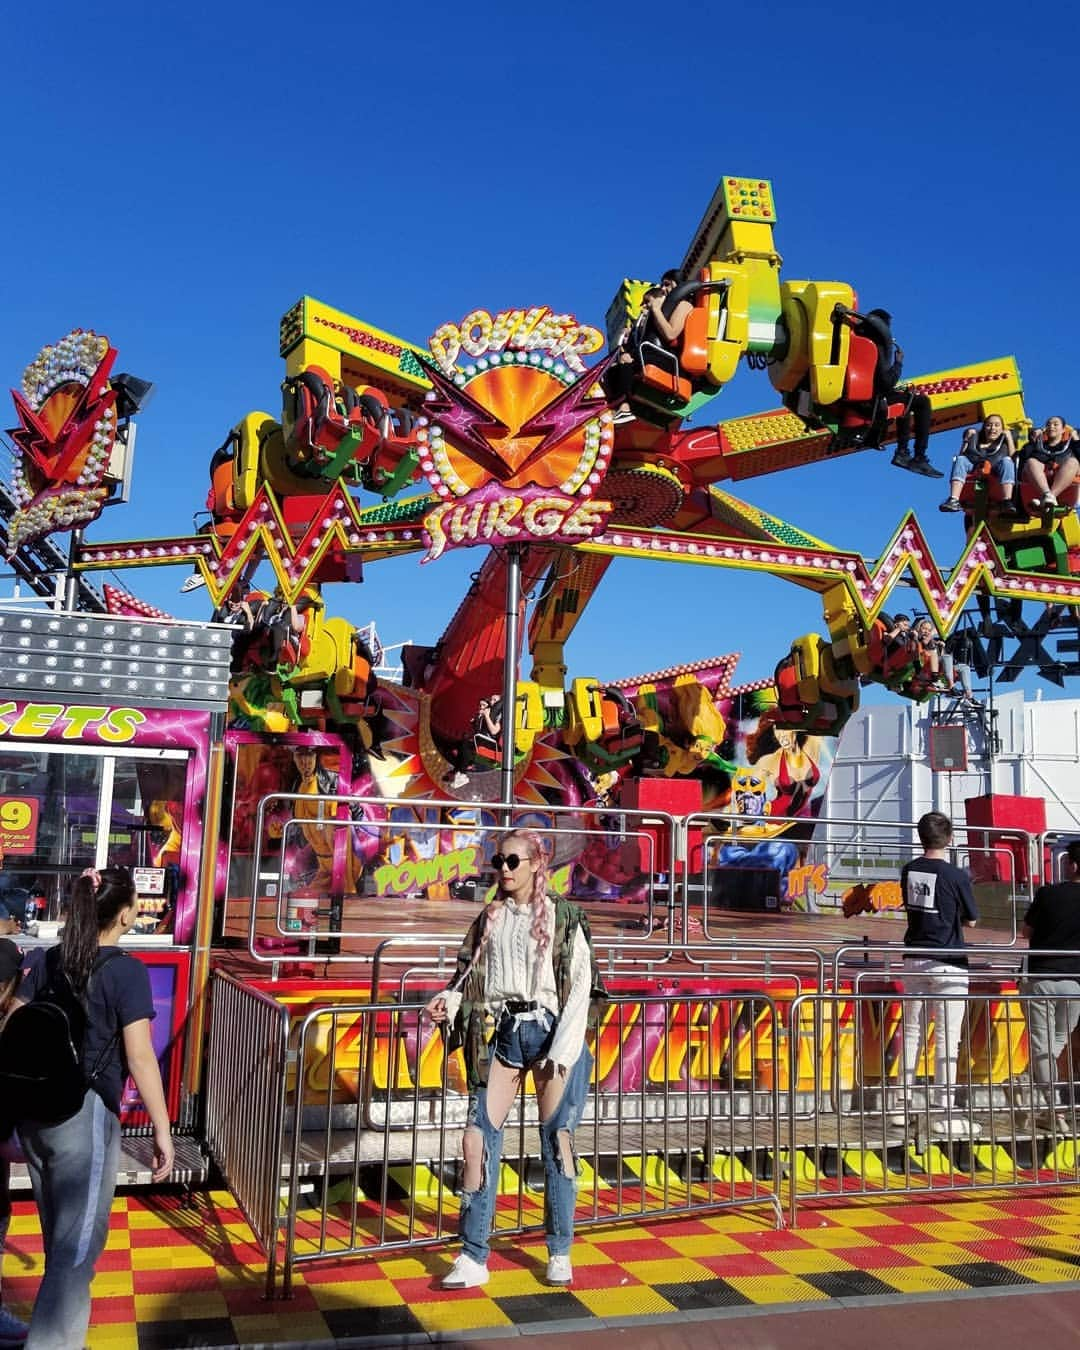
(939, 904)
(528, 960)
(1052, 924)
(73, 1164)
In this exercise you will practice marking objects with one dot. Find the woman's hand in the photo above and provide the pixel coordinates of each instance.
(163, 1153)
(436, 1009)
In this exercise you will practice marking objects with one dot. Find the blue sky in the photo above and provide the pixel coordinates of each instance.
(180, 175)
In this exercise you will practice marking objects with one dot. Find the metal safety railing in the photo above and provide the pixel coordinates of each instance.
(697, 1102)
(246, 1067)
(780, 862)
(385, 853)
(890, 1116)
(668, 1112)
(1051, 848)
(733, 960)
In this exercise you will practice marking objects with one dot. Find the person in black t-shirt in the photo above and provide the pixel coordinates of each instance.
(1052, 924)
(939, 904)
(73, 1164)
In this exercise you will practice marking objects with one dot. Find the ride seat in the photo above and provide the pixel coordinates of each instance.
(861, 405)
(660, 370)
(984, 473)
(694, 340)
(861, 370)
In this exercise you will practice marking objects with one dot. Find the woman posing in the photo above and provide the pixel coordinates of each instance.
(528, 960)
(73, 1164)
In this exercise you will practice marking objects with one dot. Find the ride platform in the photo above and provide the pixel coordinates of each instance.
(183, 1270)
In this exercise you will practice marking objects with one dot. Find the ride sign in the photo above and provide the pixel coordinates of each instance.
(491, 517)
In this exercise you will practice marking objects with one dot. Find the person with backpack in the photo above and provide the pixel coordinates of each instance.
(12, 1330)
(527, 960)
(67, 1109)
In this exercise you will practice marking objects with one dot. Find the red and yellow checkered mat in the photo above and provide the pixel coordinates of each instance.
(182, 1272)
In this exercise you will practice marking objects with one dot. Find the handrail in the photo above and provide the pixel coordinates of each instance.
(521, 811)
(246, 1070)
(944, 1137)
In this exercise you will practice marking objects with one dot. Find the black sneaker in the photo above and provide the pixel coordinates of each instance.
(901, 458)
(920, 464)
(950, 504)
(1007, 508)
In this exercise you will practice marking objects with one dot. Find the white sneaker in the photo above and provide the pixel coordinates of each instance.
(559, 1270)
(901, 1109)
(465, 1273)
(959, 1127)
(192, 583)
(12, 1331)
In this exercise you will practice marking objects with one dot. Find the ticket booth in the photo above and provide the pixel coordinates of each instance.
(106, 734)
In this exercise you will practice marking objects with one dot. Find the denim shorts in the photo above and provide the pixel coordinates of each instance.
(521, 1041)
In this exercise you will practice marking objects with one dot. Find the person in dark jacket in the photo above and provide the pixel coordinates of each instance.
(915, 418)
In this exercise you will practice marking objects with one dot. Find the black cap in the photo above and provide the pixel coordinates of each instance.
(11, 960)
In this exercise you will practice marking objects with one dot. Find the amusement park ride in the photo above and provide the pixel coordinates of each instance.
(498, 434)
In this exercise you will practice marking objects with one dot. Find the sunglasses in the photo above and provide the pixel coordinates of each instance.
(501, 860)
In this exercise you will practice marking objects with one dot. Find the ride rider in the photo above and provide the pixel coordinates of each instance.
(653, 325)
(877, 326)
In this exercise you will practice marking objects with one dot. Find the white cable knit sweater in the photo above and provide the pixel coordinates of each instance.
(518, 973)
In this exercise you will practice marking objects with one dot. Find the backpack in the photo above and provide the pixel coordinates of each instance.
(42, 1075)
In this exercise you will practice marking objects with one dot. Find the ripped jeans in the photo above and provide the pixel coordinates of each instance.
(560, 1182)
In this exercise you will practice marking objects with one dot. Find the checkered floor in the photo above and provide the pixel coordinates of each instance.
(179, 1274)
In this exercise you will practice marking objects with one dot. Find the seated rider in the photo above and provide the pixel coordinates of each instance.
(877, 326)
(991, 445)
(653, 325)
(931, 648)
(484, 743)
(1054, 450)
(898, 635)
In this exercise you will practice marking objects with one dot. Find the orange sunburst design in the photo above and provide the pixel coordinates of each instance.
(419, 768)
(514, 394)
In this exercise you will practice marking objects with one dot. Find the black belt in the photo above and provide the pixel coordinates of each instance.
(514, 1008)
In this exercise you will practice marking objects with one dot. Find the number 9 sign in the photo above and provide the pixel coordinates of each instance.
(18, 824)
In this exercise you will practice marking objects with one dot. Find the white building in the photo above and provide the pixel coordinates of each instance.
(883, 768)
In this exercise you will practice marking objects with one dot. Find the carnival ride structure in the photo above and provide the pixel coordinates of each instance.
(498, 435)
(499, 407)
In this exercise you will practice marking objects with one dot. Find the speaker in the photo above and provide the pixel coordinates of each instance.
(948, 749)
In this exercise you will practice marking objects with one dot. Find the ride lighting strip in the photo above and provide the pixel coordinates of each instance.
(341, 524)
(908, 553)
(92, 656)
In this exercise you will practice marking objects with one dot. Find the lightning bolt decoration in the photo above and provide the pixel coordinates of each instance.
(467, 422)
(566, 412)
